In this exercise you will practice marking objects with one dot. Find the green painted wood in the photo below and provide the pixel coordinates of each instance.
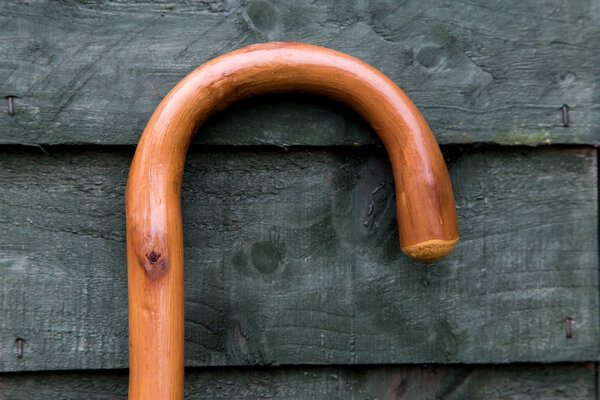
(515, 382)
(293, 257)
(93, 72)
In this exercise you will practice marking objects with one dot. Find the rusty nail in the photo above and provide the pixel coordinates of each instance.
(568, 328)
(565, 114)
(19, 348)
(10, 105)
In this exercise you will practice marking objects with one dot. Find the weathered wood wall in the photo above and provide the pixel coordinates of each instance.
(93, 72)
(293, 257)
(517, 382)
(291, 251)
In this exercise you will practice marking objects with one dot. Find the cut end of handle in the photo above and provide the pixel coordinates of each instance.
(430, 251)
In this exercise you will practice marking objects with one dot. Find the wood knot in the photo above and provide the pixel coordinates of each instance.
(151, 252)
(155, 267)
(153, 257)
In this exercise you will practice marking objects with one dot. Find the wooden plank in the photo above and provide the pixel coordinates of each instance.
(516, 382)
(93, 72)
(292, 257)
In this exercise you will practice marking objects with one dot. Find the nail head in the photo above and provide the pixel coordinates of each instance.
(569, 328)
(565, 115)
(19, 348)
(10, 105)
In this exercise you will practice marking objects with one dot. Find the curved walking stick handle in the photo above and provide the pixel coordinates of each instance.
(426, 213)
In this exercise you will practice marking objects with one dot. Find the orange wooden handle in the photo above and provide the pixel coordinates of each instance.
(426, 213)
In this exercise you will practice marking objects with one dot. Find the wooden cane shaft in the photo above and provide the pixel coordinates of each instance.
(426, 213)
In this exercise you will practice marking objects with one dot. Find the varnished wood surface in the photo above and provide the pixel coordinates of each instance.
(427, 222)
(298, 250)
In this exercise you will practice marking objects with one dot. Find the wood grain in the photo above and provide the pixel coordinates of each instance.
(516, 382)
(426, 213)
(292, 257)
(92, 72)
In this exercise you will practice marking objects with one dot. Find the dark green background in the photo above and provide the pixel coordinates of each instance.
(295, 285)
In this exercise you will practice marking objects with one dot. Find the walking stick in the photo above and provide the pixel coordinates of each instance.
(427, 223)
